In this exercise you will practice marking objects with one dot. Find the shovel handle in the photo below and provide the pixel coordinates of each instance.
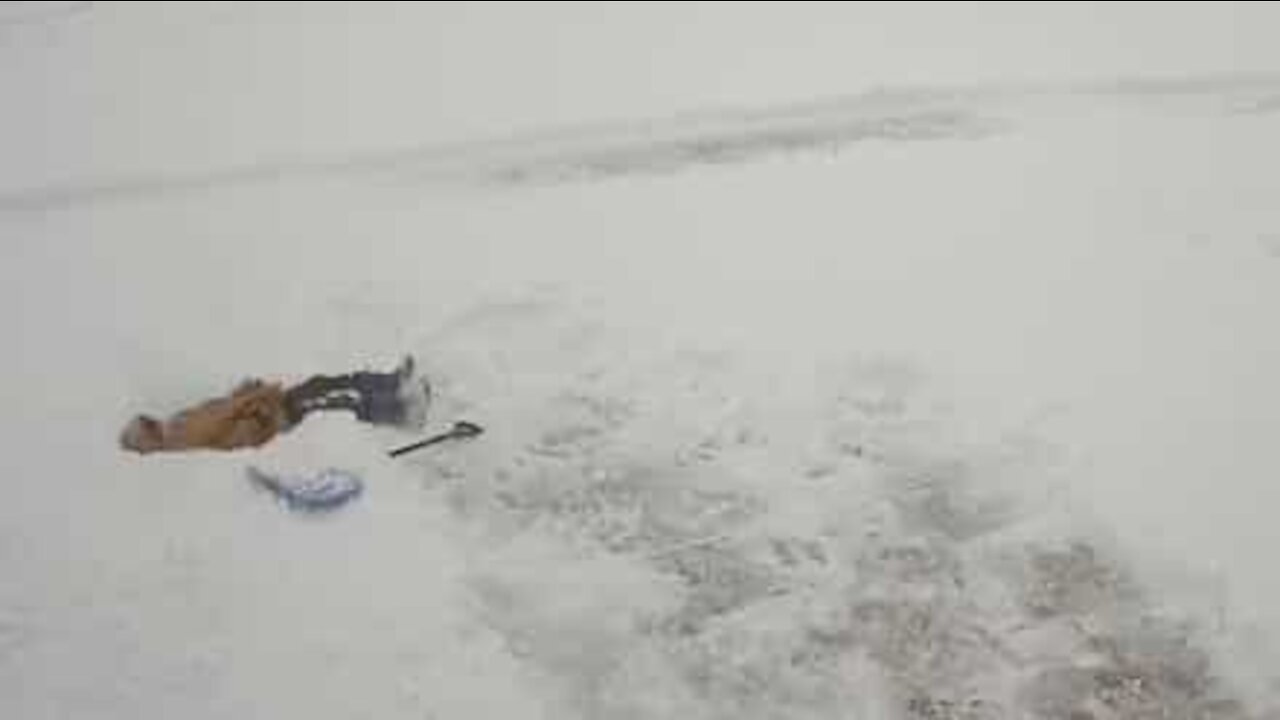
(460, 430)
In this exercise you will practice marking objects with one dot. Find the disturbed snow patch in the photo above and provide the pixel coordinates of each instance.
(667, 533)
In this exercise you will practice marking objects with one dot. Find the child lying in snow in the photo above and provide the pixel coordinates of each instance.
(257, 411)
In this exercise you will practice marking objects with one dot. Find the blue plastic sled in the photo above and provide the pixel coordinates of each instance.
(324, 491)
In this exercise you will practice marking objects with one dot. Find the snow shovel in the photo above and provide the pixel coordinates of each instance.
(461, 430)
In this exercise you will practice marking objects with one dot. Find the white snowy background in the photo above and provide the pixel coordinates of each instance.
(864, 361)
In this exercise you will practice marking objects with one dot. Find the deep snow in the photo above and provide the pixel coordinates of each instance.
(926, 403)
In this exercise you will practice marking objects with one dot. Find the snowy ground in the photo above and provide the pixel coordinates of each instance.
(931, 403)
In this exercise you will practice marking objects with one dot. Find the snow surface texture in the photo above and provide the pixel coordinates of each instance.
(949, 402)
